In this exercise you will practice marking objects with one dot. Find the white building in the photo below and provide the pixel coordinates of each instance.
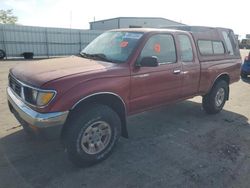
(132, 22)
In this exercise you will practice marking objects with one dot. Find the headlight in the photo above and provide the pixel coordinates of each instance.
(38, 97)
(44, 98)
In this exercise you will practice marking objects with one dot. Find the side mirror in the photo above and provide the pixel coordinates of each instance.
(149, 62)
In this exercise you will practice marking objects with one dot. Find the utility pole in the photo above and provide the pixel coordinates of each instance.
(70, 19)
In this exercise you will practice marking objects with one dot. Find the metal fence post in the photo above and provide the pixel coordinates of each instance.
(80, 41)
(46, 42)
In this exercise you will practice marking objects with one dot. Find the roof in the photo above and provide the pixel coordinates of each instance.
(143, 29)
(194, 28)
(159, 18)
(147, 30)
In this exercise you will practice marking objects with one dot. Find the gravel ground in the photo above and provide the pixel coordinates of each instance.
(174, 146)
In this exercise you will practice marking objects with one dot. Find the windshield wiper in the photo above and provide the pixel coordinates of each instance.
(85, 55)
(99, 56)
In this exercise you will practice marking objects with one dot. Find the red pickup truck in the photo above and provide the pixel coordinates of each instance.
(87, 98)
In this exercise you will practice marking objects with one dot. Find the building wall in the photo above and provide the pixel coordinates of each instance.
(157, 23)
(105, 25)
(131, 22)
(43, 41)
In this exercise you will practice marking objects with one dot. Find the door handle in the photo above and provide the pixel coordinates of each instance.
(177, 71)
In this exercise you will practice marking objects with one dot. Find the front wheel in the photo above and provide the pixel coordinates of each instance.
(214, 101)
(92, 134)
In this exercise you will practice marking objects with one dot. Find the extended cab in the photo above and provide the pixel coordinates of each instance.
(87, 98)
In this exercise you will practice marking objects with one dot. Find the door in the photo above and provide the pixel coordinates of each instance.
(190, 66)
(153, 86)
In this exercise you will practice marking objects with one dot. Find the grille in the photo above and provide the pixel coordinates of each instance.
(15, 85)
(21, 90)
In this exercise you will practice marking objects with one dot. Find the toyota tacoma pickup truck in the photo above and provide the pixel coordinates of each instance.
(87, 98)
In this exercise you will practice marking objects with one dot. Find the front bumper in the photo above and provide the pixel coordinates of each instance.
(31, 117)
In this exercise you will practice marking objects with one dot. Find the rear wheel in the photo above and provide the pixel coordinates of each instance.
(92, 134)
(214, 101)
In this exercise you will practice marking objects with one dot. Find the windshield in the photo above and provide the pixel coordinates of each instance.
(113, 46)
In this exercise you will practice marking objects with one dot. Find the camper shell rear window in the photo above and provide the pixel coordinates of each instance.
(209, 47)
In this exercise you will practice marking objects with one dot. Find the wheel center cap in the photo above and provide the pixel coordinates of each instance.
(96, 137)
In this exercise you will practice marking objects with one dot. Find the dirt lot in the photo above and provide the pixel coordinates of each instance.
(174, 146)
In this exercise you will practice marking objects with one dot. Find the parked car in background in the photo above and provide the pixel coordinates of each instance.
(244, 44)
(122, 72)
(245, 68)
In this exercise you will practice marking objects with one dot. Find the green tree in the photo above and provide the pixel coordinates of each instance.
(7, 17)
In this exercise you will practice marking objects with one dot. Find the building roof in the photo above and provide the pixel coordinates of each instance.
(159, 18)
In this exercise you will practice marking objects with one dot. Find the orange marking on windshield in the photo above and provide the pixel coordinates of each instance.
(157, 48)
(124, 44)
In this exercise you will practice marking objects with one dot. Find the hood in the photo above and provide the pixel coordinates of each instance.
(40, 72)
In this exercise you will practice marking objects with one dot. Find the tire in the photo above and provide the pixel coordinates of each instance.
(243, 75)
(2, 54)
(214, 101)
(84, 144)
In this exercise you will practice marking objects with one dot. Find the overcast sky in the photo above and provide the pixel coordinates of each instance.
(78, 13)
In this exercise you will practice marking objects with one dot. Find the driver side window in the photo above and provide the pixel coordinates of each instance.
(161, 46)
